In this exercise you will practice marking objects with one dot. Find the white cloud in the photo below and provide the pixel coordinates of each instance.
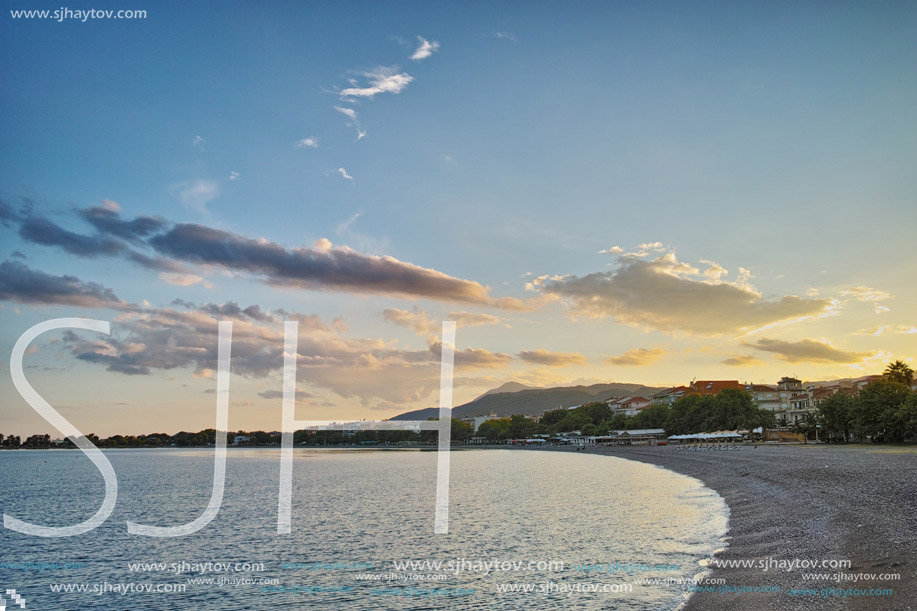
(349, 112)
(614, 250)
(353, 217)
(184, 279)
(669, 295)
(505, 36)
(198, 142)
(381, 80)
(345, 174)
(637, 357)
(425, 50)
(322, 245)
(310, 142)
(234, 176)
(196, 194)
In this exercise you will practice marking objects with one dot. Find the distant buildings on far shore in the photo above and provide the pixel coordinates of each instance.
(790, 399)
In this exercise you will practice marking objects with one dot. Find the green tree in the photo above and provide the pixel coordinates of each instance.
(653, 417)
(880, 412)
(836, 414)
(461, 431)
(900, 373)
(806, 425)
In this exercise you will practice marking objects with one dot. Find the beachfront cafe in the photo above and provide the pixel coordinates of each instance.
(717, 437)
(632, 437)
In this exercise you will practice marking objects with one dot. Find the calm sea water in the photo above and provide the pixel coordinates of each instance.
(358, 513)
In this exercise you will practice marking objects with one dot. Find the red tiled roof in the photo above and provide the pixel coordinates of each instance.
(715, 387)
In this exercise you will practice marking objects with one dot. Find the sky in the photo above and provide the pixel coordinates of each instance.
(642, 192)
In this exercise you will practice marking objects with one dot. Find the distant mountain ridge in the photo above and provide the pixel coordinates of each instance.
(533, 401)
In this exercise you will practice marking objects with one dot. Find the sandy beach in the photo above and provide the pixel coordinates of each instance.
(807, 502)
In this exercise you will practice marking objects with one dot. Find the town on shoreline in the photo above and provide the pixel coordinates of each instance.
(876, 409)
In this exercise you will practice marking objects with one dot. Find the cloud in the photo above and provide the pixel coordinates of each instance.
(671, 296)
(471, 358)
(505, 36)
(110, 205)
(339, 269)
(741, 360)
(107, 220)
(20, 283)
(865, 293)
(198, 142)
(614, 250)
(278, 394)
(423, 324)
(234, 176)
(196, 194)
(808, 351)
(381, 80)
(907, 329)
(425, 50)
(874, 330)
(637, 357)
(349, 112)
(312, 142)
(350, 221)
(183, 279)
(473, 319)
(344, 174)
(177, 247)
(39, 230)
(552, 359)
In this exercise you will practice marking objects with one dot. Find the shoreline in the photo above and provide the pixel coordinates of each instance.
(806, 502)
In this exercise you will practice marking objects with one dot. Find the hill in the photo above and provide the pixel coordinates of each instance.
(533, 401)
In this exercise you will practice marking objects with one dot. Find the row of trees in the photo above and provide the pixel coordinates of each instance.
(884, 411)
(729, 410)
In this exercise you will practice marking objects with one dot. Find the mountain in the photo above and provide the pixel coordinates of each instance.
(507, 387)
(533, 401)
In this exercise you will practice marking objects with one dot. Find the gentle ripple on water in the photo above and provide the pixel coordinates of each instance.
(360, 507)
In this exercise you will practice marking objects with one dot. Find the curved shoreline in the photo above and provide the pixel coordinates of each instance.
(813, 502)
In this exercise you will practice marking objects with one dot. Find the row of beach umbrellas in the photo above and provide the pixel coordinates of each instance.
(707, 436)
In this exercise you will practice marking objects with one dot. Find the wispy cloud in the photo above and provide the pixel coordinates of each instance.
(354, 122)
(808, 351)
(505, 36)
(423, 324)
(198, 142)
(344, 174)
(552, 359)
(196, 194)
(183, 279)
(637, 357)
(425, 50)
(310, 142)
(741, 360)
(613, 250)
(350, 221)
(385, 79)
(234, 176)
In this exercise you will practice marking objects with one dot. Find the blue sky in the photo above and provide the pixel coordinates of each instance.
(776, 138)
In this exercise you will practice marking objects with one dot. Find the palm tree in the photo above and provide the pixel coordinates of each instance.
(899, 372)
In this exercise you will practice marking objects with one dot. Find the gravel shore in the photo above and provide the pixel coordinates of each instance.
(810, 502)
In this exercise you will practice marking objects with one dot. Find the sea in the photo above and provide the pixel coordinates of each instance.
(528, 529)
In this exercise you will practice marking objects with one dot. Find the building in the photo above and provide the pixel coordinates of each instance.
(477, 421)
(670, 395)
(715, 387)
(765, 396)
(629, 405)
